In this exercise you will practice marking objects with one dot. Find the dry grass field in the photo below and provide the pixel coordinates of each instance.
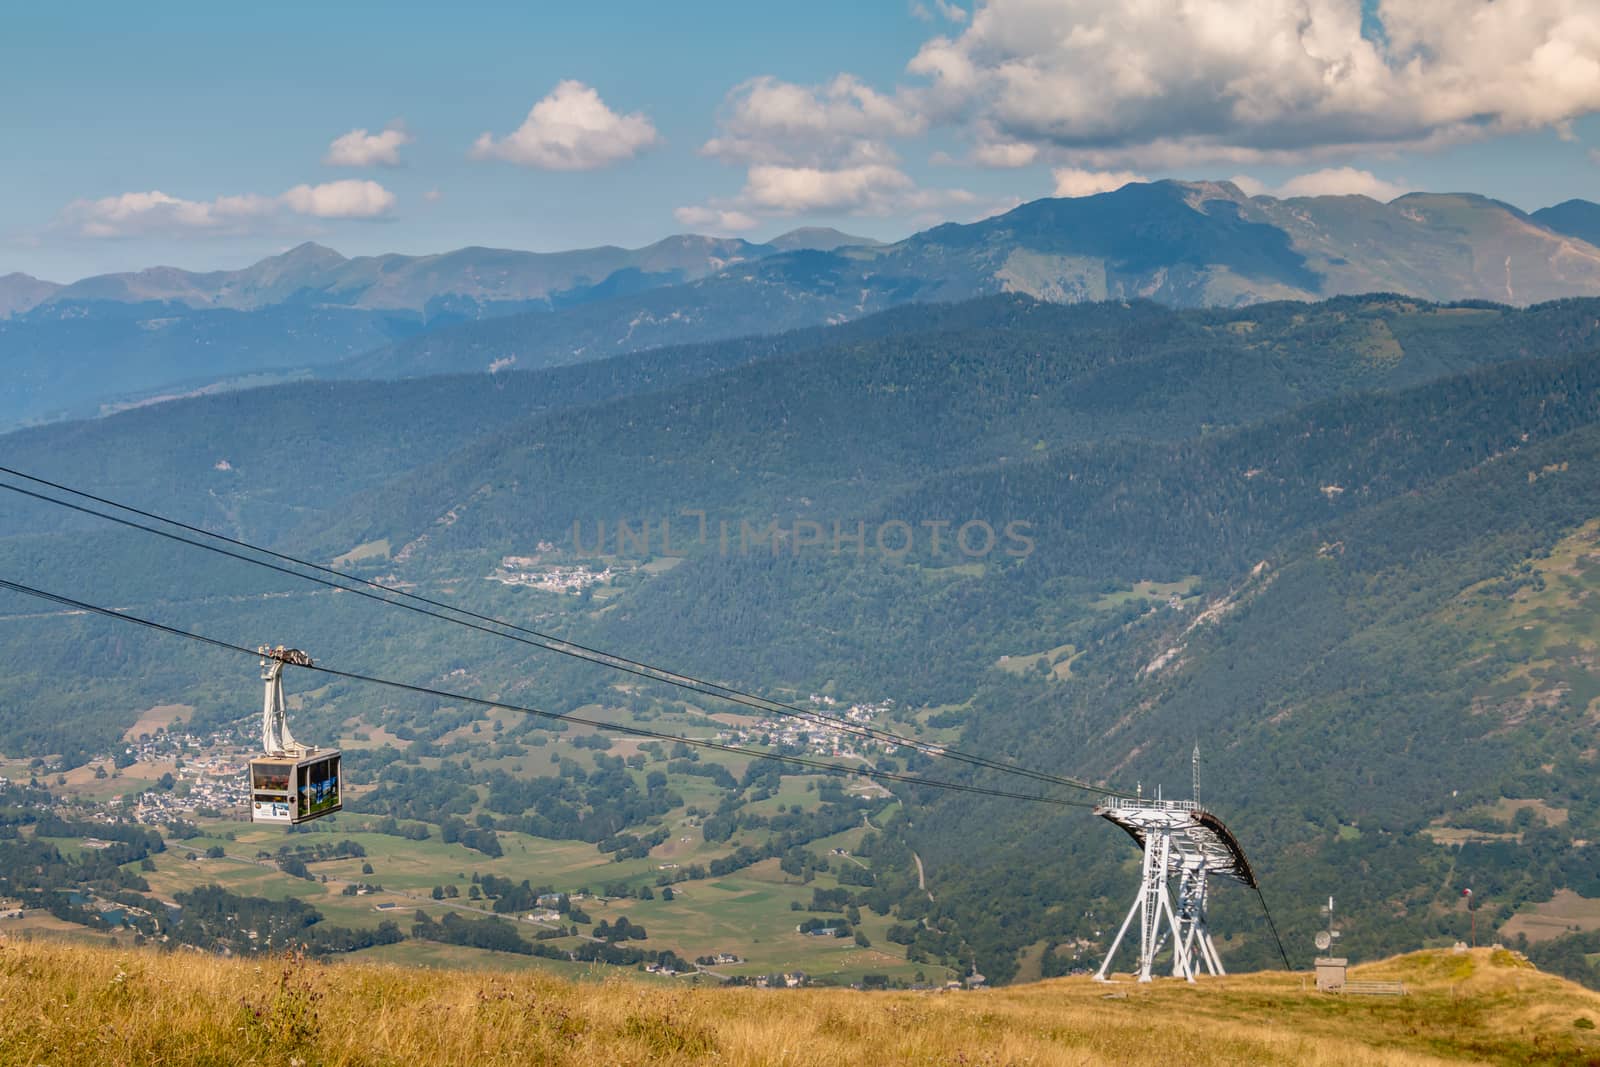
(71, 1004)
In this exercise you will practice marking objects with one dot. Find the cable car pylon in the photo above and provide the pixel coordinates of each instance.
(1177, 837)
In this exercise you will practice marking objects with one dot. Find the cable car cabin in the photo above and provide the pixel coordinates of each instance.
(286, 789)
(290, 783)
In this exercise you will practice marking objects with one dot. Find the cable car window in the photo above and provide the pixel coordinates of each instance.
(319, 787)
(271, 777)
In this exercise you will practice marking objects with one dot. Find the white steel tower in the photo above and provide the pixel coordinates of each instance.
(1182, 840)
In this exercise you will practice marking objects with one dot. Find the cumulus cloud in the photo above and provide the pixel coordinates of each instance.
(1179, 82)
(772, 189)
(1005, 154)
(358, 148)
(1250, 186)
(571, 129)
(946, 10)
(816, 149)
(766, 120)
(715, 219)
(1071, 181)
(349, 199)
(793, 190)
(1332, 181)
(1342, 181)
(155, 212)
(128, 214)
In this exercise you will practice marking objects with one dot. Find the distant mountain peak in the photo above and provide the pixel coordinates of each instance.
(1475, 200)
(819, 239)
(19, 292)
(1574, 204)
(1208, 190)
(307, 253)
(1572, 218)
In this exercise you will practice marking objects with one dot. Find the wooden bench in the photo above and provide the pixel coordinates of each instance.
(1375, 989)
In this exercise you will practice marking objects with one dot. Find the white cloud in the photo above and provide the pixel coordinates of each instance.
(358, 148)
(773, 189)
(135, 213)
(348, 199)
(1342, 181)
(946, 10)
(571, 129)
(766, 120)
(1071, 181)
(816, 149)
(793, 190)
(1250, 186)
(433, 196)
(1005, 154)
(1180, 82)
(155, 212)
(1594, 156)
(1331, 181)
(715, 219)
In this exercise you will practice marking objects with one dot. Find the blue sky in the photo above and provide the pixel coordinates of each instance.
(880, 118)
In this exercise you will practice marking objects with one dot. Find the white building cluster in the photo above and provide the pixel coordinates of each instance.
(212, 766)
(529, 572)
(823, 738)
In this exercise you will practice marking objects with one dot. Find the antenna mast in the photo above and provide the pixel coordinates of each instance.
(1194, 763)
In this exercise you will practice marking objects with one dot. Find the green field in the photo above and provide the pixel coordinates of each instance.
(748, 913)
(1057, 660)
(1157, 591)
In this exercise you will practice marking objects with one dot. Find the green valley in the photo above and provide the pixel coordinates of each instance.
(1343, 546)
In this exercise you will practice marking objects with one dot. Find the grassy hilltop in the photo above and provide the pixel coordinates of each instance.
(79, 1004)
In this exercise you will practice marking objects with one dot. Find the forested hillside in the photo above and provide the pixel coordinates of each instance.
(109, 340)
(76, 361)
(1348, 548)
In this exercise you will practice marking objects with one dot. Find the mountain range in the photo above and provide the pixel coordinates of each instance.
(1181, 244)
(477, 278)
(117, 339)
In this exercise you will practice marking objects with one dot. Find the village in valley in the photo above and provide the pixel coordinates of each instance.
(187, 785)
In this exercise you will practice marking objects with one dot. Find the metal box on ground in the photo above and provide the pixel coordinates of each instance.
(1330, 973)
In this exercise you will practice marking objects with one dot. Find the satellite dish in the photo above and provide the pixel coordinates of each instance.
(1324, 940)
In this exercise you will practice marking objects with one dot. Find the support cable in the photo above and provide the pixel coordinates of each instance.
(599, 724)
(535, 638)
(1274, 927)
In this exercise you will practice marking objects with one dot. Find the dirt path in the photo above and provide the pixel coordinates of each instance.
(922, 879)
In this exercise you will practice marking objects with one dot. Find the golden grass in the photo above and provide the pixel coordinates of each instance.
(71, 1004)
